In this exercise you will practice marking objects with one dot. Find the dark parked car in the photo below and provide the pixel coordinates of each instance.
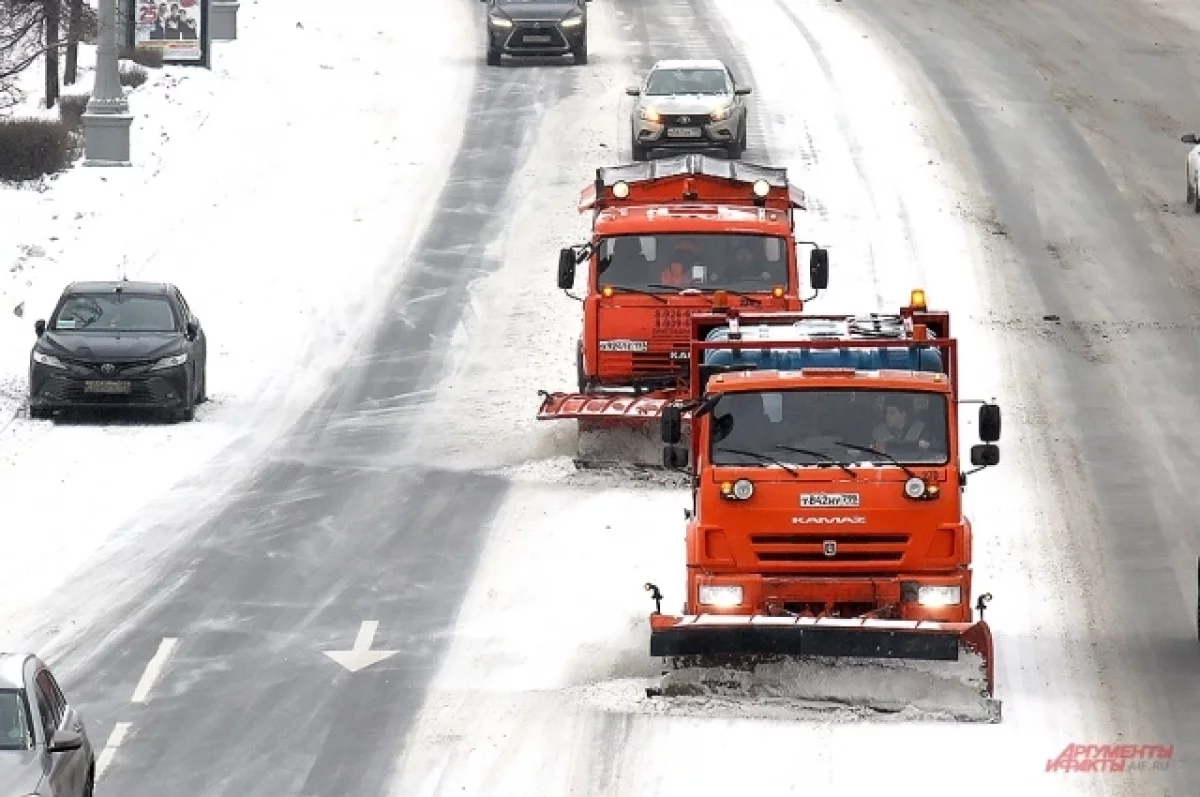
(44, 747)
(536, 28)
(135, 345)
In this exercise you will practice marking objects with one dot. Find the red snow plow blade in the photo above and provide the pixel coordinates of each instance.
(615, 431)
(603, 411)
(880, 665)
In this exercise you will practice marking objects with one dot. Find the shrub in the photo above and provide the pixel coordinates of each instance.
(71, 108)
(142, 56)
(33, 148)
(133, 76)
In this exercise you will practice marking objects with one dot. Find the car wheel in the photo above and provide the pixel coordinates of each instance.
(1191, 191)
(640, 153)
(493, 57)
(40, 413)
(89, 788)
(202, 393)
(1197, 206)
(581, 55)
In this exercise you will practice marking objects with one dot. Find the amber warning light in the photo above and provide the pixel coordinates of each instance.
(917, 299)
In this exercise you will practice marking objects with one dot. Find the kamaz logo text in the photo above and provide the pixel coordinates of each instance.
(857, 521)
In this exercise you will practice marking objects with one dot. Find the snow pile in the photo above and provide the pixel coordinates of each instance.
(281, 192)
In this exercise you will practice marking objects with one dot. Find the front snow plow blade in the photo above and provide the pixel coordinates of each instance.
(889, 666)
(615, 431)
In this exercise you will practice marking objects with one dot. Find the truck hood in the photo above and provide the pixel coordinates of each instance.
(868, 523)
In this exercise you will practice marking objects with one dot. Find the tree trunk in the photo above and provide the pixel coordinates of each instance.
(52, 14)
(74, 34)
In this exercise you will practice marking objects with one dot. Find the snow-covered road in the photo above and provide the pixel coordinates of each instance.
(421, 492)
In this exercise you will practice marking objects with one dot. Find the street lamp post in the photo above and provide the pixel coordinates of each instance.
(107, 120)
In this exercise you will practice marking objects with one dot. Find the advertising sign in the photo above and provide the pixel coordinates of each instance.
(173, 27)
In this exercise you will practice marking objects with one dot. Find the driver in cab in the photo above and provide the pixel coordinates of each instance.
(684, 256)
(902, 424)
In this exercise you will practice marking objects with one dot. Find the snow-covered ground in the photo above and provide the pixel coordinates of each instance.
(278, 191)
(542, 689)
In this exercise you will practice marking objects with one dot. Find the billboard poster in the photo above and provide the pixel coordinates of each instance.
(173, 27)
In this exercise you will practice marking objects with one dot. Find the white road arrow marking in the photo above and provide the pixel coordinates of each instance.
(362, 656)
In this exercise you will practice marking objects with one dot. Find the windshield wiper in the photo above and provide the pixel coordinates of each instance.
(685, 288)
(641, 292)
(820, 455)
(877, 452)
(762, 457)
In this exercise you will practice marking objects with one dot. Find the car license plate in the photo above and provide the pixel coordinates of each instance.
(537, 39)
(683, 132)
(108, 387)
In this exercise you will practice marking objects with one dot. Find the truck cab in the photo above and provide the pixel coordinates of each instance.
(668, 238)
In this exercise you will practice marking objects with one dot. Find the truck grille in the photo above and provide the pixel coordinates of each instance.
(885, 550)
(656, 362)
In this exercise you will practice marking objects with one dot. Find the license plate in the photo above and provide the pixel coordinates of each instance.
(683, 132)
(538, 39)
(107, 387)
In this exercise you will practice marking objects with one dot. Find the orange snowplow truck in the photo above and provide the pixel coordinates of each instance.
(827, 514)
(671, 238)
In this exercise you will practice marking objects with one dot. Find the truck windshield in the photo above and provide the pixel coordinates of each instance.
(735, 262)
(910, 426)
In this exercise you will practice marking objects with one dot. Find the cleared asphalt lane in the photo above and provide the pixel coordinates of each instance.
(330, 533)
(1069, 116)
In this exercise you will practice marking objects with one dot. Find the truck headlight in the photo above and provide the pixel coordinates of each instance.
(722, 596)
(169, 362)
(939, 595)
(47, 360)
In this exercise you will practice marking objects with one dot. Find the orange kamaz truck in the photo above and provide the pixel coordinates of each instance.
(827, 520)
(668, 236)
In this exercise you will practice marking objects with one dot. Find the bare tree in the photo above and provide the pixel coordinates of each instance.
(74, 34)
(21, 43)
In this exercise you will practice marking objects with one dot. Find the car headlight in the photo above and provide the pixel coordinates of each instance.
(572, 22)
(649, 114)
(721, 114)
(722, 596)
(169, 362)
(48, 360)
(939, 595)
(500, 22)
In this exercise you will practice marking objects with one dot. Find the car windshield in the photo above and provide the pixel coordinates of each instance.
(664, 82)
(744, 263)
(832, 425)
(112, 312)
(14, 724)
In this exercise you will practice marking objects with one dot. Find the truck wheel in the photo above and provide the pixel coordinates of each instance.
(493, 57)
(580, 376)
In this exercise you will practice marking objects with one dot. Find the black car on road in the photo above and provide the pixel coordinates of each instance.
(536, 28)
(134, 345)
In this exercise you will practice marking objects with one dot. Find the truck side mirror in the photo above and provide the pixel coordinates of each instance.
(818, 269)
(985, 455)
(39, 327)
(566, 269)
(675, 457)
(989, 423)
(672, 425)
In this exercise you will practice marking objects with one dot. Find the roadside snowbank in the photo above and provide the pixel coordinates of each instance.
(280, 191)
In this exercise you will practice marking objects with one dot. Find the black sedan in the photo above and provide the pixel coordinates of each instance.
(134, 345)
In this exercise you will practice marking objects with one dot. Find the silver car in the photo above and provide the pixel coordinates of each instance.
(689, 105)
(44, 748)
